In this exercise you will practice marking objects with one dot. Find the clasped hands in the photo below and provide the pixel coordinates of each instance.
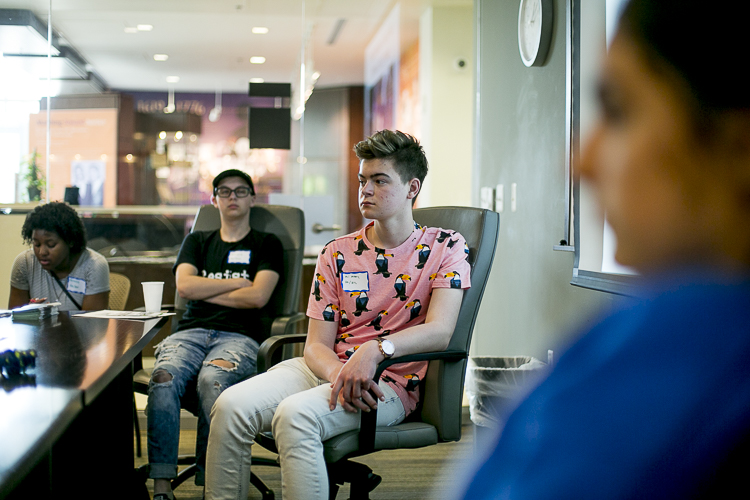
(353, 384)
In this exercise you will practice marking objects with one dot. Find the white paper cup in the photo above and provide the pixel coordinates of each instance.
(152, 292)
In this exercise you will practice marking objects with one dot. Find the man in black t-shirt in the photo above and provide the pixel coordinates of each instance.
(228, 276)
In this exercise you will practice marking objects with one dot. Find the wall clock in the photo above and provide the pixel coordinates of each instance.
(534, 31)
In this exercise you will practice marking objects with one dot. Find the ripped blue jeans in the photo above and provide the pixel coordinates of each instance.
(185, 360)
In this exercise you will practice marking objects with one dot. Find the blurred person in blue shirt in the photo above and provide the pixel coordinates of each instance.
(653, 401)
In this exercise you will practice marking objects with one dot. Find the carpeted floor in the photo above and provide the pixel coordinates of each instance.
(407, 474)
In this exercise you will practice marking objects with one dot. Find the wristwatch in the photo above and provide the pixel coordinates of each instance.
(387, 349)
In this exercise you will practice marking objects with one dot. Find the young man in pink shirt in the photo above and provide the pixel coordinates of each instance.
(392, 288)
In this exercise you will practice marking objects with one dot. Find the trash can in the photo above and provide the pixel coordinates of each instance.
(493, 387)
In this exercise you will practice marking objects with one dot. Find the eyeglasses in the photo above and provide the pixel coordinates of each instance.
(240, 192)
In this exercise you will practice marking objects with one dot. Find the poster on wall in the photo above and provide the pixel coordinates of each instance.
(382, 57)
(382, 102)
(78, 135)
(408, 108)
(88, 176)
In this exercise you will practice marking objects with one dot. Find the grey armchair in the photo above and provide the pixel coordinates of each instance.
(439, 417)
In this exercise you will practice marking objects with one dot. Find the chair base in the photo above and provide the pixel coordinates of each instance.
(360, 477)
(192, 469)
(264, 490)
(185, 474)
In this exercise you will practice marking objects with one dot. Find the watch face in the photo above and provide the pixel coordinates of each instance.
(388, 348)
(529, 30)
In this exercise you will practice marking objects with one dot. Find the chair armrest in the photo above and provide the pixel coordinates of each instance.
(269, 354)
(282, 325)
(422, 356)
(369, 420)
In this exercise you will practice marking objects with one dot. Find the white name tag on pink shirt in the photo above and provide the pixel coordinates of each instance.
(355, 282)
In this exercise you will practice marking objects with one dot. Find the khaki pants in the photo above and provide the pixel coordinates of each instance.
(292, 402)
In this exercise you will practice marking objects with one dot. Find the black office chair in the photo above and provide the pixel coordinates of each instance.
(288, 224)
(438, 419)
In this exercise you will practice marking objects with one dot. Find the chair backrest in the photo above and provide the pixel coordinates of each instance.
(288, 224)
(119, 291)
(443, 387)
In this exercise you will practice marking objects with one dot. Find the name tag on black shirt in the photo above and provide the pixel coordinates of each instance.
(238, 257)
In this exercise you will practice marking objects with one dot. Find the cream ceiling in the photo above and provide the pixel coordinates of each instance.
(209, 42)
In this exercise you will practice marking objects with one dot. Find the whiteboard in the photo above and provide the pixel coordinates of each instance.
(595, 265)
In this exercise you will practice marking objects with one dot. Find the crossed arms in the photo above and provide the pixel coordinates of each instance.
(239, 293)
(352, 381)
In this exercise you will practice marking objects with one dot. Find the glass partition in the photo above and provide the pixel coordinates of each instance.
(151, 136)
(25, 61)
(101, 145)
(138, 233)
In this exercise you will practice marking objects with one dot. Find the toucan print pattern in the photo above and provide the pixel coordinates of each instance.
(373, 292)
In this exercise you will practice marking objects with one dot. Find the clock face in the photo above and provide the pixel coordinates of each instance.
(529, 30)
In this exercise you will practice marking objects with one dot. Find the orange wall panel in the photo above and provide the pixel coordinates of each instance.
(76, 134)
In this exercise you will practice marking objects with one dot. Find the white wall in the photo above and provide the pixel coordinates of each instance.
(446, 35)
(529, 305)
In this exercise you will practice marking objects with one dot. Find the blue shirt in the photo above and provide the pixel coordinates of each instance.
(650, 403)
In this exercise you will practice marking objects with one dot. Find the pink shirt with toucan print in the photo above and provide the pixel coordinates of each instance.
(372, 292)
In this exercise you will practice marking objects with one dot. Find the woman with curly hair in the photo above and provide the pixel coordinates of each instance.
(58, 267)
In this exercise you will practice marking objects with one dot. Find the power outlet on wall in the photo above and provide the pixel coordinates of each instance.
(487, 198)
(499, 193)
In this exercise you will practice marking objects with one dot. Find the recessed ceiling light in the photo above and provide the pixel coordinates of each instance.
(173, 79)
(130, 29)
(257, 80)
(260, 30)
(257, 59)
(144, 27)
(160, 57)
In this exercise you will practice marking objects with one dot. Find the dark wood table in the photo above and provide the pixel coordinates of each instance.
(67, 428)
